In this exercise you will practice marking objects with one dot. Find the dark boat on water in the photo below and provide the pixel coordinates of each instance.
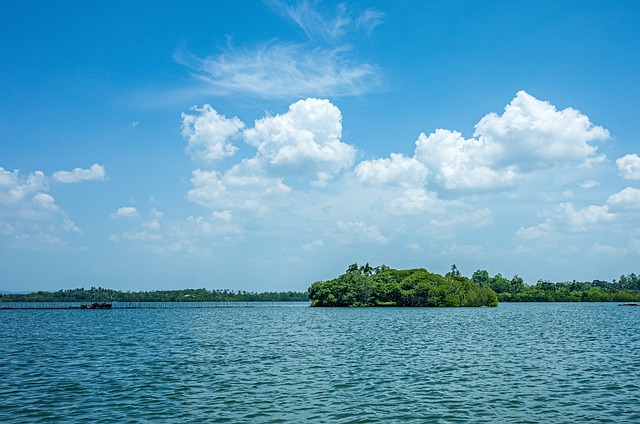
(96, 305)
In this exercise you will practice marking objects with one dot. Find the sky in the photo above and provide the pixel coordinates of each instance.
(263, 146)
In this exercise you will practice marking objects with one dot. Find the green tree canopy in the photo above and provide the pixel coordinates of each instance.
(391, 287)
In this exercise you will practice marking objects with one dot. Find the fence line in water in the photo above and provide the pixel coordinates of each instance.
(134, 305)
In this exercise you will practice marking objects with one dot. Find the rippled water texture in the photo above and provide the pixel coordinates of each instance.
(546, 363)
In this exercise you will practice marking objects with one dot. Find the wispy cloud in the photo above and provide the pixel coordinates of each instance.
(322, 65)
(326, 24)
(315, 23)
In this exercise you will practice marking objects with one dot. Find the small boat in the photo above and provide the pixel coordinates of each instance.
(629, 304)
(96, 305)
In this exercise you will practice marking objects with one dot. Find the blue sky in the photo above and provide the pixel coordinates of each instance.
(267, 145)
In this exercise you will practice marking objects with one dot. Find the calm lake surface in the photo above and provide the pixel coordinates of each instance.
(518, 363)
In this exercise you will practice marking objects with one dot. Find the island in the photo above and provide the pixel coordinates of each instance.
(384, 286)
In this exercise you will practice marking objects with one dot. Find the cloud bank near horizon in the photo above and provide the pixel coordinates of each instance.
(527, 176)
(303, 181)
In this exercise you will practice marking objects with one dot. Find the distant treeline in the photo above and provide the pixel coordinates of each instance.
(368, 286)
(625, 289)
(383, 286)
(100, 294)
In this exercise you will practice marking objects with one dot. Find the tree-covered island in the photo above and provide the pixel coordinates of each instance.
(383, 286)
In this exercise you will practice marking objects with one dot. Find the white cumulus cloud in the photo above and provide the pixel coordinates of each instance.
(313, 246)
(532, 142)
(461, 163)
(303, 143)
(125, 212)
(224, 216)
(534, 232)
(530, 135)
(304, 140)
(414, 201)
(45, 201)
(29, 215)
(359, 232)
(234, 190)
(628, 197)
(397, 170)
(95, 173)
(629, 167)
(14, 188)
(209, 134)
(581, 218)
(607, 249)
(567, 216)
(589, 184)
(216, 224)
(533, 133)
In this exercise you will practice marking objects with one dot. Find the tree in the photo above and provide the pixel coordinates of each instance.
(480, 276)
(353, 269)
(377, 270)
(454, 271)
(499, 284)
(516, 285)
(366, 270)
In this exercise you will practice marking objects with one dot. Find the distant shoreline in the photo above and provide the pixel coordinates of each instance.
(100, 294)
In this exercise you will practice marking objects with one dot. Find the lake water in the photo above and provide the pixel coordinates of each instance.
(518, 363)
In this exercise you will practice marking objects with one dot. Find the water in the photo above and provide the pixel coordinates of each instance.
(518, 363)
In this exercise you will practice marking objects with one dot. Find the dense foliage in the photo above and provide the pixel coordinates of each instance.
(626, 289)
(383, 286)
(188, 295)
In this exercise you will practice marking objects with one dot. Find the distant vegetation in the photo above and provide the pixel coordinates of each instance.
(379, 286)
(100, 294)
(626, 289)
(383, 286)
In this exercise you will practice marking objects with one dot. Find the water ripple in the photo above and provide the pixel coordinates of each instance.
(518, 363)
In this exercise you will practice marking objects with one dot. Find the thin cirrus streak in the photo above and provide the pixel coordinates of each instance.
(283, 71)
(323, 64)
